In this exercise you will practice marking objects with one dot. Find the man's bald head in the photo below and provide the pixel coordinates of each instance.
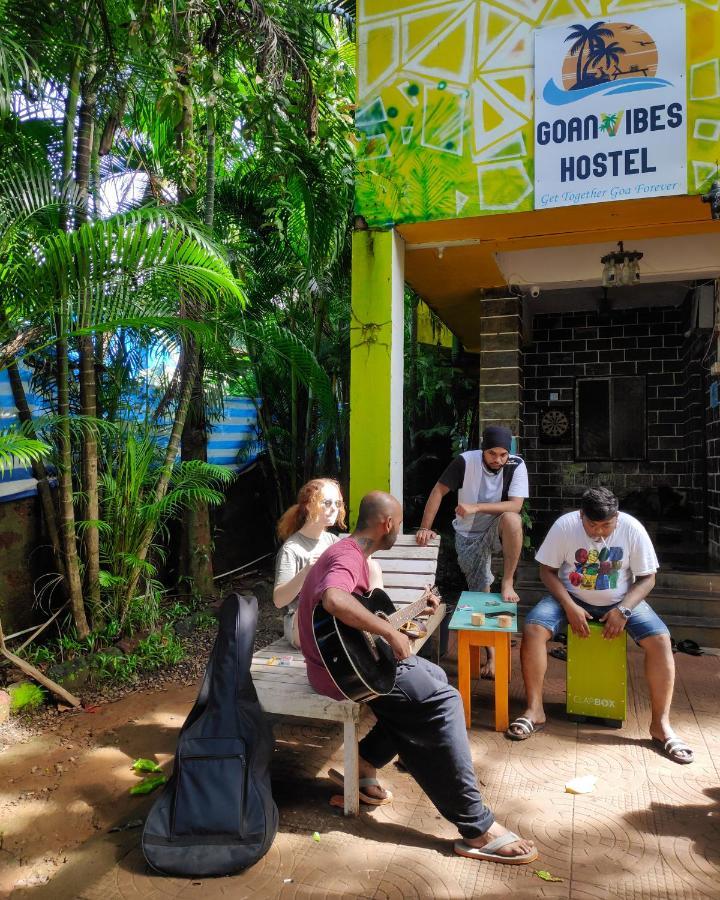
(376, 507)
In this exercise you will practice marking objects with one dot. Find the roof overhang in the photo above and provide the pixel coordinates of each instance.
(451, 262)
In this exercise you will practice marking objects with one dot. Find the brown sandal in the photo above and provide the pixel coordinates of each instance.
(339, 779)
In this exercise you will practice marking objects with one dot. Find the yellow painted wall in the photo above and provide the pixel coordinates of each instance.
(370, 365)
(444, 121)
(430, 330)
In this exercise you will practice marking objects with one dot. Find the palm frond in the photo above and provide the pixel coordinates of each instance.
(123, 264)
(16, 67)
(17, 449)
(29, 193)
(281, 343)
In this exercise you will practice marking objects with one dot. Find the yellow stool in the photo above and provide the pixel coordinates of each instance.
(597, 676)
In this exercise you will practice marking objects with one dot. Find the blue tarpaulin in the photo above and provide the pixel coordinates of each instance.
(236, 434)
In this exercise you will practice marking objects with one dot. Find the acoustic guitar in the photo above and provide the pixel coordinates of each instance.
(361, 664)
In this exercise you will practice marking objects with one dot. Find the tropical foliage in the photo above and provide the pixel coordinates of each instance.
(175, 196)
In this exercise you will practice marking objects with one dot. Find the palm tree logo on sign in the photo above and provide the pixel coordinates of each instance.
(605, 58)
(610, 122)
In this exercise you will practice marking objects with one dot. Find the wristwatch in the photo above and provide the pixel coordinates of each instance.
(624, 611)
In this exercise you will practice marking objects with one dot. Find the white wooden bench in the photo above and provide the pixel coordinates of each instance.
(282, 685)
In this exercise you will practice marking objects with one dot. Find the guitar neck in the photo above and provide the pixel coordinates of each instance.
(403, 615)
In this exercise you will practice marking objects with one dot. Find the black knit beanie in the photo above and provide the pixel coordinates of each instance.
(496, 436)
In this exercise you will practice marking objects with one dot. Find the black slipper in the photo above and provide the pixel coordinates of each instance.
(559, 653)
(675, 749)
(692, 648)
(524, 728)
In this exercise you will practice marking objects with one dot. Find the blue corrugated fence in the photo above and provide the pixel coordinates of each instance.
(237, 431)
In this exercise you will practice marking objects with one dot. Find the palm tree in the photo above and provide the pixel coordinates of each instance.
(609, 123)
(185, 94)
(124, 272)
(608, 54)
(17, 67)
(590, 39)
(289, 214)
(220, 56)
(131, 507)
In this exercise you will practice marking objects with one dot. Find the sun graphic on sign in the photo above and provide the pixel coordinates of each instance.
(605, 52)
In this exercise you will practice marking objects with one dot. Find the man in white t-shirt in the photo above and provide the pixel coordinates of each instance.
(491, 485)
(599, 564)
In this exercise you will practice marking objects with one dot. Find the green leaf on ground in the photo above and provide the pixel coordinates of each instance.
(148, 785)
(546, 876)
(146, 765)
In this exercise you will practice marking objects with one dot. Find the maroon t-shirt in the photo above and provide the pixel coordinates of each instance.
(341, 566)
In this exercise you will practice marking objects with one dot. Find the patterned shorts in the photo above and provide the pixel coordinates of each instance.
(474, 552)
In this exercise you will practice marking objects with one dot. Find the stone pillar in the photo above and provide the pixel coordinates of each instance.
(376, 365)
(501, 362)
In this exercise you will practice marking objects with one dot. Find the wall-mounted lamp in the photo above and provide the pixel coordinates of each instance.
(440, 252)
(621, 267)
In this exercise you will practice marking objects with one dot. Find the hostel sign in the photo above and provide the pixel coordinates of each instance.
(610, 109)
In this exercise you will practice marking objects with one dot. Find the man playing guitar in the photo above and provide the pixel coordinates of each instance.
(421, 719)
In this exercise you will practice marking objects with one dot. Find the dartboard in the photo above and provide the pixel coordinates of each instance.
(554, 424)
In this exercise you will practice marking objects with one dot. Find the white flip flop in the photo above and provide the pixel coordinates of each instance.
(487, 852)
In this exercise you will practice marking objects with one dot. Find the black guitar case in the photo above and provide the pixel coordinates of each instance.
(216, 815)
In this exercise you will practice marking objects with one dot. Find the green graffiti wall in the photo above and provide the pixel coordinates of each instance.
(444, 121)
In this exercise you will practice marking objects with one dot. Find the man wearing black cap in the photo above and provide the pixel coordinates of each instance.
(491, 485)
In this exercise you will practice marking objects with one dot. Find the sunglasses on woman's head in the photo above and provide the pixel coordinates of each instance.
(328, 504)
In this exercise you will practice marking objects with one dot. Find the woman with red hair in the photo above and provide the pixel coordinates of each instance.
(303, 528)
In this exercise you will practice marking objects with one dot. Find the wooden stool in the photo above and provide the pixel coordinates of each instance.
(469, 644)
(597, 676)
(472, 637)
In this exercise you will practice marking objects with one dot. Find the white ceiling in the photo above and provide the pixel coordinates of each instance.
(681, 259)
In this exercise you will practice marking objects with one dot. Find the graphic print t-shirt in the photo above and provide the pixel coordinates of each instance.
(475, 483)
(598, 572)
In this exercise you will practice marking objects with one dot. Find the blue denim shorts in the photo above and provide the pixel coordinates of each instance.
(643, 623)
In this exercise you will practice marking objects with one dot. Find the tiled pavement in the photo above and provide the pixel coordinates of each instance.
(651, 829)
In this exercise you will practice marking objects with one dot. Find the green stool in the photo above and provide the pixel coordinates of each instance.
(597, 676)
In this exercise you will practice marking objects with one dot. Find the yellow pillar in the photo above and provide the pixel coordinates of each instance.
(376, 365)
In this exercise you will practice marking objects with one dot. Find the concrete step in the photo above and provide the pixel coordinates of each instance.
(667, 579)
(705, 630)
(707, 582)
(688, 614)
(663, 600)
